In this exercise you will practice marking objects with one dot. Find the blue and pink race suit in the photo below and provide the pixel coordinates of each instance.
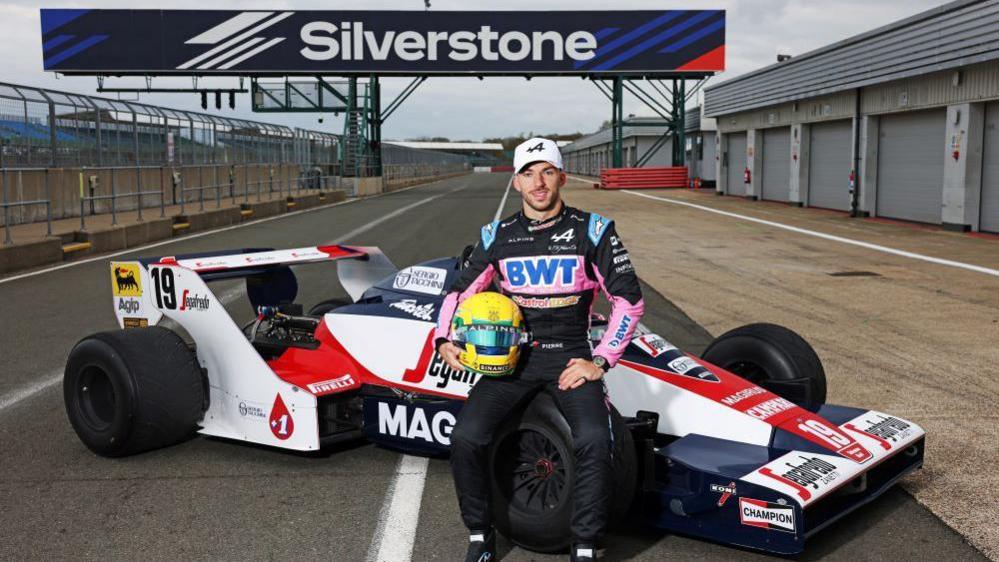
(553, 270)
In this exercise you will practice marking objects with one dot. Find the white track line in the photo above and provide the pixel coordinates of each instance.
(400, 513)
(868, 245)
(200, 234)
(499, 210)
(226, 297)
(396, 532)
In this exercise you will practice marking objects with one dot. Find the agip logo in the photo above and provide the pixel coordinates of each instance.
(126, 280)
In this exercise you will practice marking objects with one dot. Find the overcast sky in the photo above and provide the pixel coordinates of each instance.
(465, 108)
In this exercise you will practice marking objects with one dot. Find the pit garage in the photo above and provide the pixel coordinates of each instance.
(829, 165)
(989, 209)
(777, 164)
(911, 165)
(736, 163)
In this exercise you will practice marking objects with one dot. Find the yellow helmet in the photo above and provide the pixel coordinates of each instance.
(489, 329)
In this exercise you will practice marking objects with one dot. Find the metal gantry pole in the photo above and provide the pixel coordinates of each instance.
(617, 116)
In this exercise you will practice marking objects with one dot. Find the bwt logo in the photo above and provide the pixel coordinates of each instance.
(541, 271)
(350, 42)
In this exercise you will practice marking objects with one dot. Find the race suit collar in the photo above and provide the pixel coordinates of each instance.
(535, 225)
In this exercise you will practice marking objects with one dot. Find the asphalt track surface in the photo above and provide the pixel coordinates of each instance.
(215, 499)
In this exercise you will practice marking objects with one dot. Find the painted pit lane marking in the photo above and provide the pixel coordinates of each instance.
(226, 297)
(868, 245)
(398, 518)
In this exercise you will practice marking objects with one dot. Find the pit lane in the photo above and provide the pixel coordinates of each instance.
(215, 499)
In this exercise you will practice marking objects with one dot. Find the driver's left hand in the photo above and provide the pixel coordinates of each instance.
(577, 372)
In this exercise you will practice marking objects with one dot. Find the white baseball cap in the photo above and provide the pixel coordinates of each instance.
(537, 150)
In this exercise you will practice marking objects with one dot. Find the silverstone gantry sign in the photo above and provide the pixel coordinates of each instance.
(156, 42)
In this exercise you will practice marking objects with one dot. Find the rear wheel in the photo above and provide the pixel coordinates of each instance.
(775, 358)
(132, 391)
(534, 473)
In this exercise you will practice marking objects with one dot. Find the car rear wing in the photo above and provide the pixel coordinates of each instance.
(270, 281)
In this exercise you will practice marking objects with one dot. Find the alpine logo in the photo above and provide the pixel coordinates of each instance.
(537, 148)
(766, 515)
(235, 40)
(564, 237)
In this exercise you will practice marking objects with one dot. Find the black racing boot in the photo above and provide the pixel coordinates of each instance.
(481, 546)
(583, 552)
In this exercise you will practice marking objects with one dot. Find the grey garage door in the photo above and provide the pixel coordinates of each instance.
(989, 217)
(777, 164)
(829, 165)
(736, 163)
(910, 165)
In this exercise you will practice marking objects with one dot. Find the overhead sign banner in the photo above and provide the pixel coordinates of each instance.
(403, 43)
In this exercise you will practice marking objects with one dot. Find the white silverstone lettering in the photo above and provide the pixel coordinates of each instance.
(733, 399)
(765, 410)
(350, 41)
(396, 422)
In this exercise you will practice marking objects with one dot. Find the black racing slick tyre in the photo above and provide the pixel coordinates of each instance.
(130, 391)
(775, 358)
(534, 473)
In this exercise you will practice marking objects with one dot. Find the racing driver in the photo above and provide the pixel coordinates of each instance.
(552, 260)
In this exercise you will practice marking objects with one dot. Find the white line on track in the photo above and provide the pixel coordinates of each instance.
(396, 532)
(199, 235)
(400, 513)
(840, 239)
(226, 297)
(499, 210)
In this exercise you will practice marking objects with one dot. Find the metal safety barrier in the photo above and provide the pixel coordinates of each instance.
(643, 178)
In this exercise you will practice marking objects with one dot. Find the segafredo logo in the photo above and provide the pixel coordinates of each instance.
(349, 41)
(235, 40)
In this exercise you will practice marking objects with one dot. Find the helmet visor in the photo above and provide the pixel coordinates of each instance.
(487, 336)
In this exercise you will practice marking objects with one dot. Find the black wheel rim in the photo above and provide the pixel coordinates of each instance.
(748, 370)
(531, 471)
(96, 397)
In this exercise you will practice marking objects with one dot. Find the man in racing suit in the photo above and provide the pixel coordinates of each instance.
(551, 260)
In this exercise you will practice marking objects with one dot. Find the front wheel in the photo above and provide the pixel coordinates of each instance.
(534, 474)
(775, 358)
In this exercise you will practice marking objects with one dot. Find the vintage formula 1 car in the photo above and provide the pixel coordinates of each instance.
(737, 446)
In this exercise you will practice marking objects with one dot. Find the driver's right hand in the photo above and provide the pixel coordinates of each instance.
(450, 352)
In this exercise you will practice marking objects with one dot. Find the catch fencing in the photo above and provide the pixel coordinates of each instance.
(65, 155)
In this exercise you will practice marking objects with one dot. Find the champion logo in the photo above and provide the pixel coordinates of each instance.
(235, 40)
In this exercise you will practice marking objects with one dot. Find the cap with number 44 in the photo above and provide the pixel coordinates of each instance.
(537, 150)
